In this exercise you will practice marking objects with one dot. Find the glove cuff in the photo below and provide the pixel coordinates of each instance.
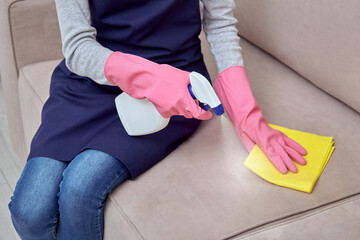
(233, 89)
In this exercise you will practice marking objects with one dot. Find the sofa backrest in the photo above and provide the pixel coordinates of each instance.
(318, 39)
(36, 37)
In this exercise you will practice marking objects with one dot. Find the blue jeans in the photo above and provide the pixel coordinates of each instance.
(65, 200)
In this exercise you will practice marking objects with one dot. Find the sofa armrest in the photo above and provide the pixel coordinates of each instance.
(29, 33)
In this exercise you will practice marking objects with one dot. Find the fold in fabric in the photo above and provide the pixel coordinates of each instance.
(319, 150)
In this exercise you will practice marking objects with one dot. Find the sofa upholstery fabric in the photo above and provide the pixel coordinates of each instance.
(318, 39)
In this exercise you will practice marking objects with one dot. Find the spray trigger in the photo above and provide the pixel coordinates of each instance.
(201, 89)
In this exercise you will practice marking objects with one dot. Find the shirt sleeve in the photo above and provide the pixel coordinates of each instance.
(221, 33)
(84, 55)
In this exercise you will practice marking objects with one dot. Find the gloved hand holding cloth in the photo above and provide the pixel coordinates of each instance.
(233, 89)
(163, 85)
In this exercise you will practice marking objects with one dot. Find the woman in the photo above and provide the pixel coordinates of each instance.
(81, 151)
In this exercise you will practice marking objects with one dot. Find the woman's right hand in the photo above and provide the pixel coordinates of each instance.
(163, 85)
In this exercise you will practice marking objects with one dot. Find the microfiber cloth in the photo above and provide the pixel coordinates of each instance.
(319, 150)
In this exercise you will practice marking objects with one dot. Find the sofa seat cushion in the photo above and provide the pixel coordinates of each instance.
(203, 191)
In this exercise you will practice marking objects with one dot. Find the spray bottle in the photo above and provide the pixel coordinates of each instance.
(140, 117)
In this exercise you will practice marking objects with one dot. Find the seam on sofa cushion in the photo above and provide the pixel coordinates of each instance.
(126, 218)
(29, 131)
(11, 33)
(32, 88)
(302, 215)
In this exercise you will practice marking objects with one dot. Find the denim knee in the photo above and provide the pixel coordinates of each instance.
(30, 221)
(33, 207)
(71, 194)
(87, 181)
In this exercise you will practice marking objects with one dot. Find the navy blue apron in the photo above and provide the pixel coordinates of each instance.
(81, 114)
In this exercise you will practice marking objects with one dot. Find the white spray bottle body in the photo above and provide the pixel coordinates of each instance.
(140, 117)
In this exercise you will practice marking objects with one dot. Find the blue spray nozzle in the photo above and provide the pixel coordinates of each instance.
(218, 110)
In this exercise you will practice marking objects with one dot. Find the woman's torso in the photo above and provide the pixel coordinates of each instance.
(164, 31)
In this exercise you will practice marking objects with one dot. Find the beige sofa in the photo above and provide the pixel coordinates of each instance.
(303, 62)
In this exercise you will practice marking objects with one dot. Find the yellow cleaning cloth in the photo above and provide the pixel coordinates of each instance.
(319, 150)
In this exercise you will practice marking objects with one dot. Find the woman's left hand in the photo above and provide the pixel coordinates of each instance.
(233, 89)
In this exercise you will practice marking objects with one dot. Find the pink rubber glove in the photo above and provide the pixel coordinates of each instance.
(163, 85)
(233, 89)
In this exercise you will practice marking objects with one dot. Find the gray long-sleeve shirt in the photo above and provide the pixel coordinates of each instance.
(86, 57)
